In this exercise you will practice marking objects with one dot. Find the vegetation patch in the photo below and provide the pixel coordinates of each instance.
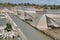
(8, 27)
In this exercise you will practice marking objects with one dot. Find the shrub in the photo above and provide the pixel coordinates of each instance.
(8, 27)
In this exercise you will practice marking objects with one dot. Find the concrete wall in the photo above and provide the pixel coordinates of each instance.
(42, 24)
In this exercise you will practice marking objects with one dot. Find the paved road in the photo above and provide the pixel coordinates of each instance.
(29, 32)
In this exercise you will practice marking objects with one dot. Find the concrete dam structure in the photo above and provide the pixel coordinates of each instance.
(49, 21)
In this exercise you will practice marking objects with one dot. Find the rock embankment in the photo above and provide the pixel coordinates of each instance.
(5, 33)
(52, 33)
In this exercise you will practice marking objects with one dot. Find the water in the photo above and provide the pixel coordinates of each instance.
(57, 30)
(30, 33)
(3, 21)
